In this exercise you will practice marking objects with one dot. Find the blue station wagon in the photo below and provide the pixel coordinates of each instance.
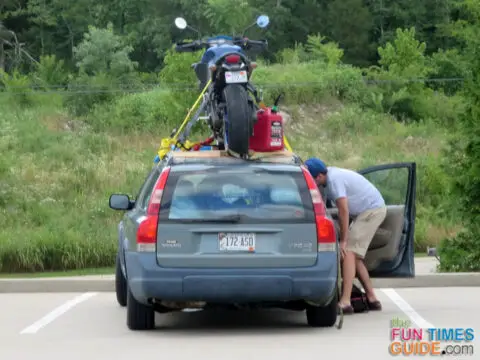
(210, 230)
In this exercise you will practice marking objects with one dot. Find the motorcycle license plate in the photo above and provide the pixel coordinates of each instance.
(235, 77)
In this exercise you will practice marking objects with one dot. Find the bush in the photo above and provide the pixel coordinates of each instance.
(84, 92)
(17, 88)
(462, 253)
(156, 112)
(308, 83)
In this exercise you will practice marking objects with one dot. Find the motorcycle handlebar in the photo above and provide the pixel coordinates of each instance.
(189, 47)
(260, 43)
(199, 45)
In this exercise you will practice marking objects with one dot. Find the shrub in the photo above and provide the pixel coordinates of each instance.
(462, 253)
(310, 82)
(155, 111)
(17, 88)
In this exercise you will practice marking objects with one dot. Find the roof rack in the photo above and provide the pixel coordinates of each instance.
(182, 157)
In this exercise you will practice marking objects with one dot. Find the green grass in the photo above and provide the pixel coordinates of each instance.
(51, 274)
(58, 170)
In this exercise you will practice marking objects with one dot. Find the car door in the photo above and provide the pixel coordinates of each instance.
(391, 252)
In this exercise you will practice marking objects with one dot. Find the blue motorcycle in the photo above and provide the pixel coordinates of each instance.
(228, 105)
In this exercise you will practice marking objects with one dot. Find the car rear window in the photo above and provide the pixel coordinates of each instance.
(254, 194)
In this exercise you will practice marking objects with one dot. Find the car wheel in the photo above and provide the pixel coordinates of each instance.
(323, 316)
(139, 316)
(120, 284)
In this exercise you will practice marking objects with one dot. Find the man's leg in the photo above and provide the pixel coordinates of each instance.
(364, 278)
(361, 234)
(348, 270)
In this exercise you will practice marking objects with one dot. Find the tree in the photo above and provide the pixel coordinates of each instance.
(462, 253)
(350, 23)
(102, 51)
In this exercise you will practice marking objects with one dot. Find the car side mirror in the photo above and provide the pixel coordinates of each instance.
(120, 202)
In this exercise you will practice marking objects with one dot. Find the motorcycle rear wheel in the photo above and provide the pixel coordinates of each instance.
(239, 118)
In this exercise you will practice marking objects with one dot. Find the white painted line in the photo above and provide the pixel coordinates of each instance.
(57, 312)
(407, 309)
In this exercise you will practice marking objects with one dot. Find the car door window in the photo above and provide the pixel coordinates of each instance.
(146, 189)
(392, 184)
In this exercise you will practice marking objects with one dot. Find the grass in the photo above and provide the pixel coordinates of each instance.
(57, 170)
(51, 274)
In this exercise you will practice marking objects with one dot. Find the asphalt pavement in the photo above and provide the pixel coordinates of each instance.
(59, 326)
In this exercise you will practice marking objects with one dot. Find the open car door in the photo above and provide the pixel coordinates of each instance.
(391, 252)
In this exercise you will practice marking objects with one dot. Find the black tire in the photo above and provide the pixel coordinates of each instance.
(323, 316)
(120, 284)
(239, 114)
(139, 316)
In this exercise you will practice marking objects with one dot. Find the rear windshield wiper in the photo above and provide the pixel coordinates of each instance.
(223, 219)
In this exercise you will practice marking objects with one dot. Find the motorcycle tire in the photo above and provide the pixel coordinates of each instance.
(239, 118)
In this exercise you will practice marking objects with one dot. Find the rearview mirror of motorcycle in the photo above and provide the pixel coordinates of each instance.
(263, 21)
(180, 23)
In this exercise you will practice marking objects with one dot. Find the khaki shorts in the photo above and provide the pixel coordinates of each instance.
(363, 228)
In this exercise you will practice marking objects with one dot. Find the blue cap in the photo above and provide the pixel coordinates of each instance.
(315, 166)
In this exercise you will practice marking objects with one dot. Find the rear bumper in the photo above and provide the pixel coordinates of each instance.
(148, 280)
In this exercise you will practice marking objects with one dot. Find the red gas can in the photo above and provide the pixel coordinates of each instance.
(267, 132)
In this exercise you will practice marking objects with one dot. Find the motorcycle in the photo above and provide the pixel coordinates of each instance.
(224, 73)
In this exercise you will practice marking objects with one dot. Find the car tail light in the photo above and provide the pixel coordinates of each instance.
(232, 59)
(326, 237)
(147, 229)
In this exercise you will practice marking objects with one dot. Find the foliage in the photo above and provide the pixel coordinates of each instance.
(401, 90)
(101, 51)
(462, 253)
(17, 87)
(328, 52)
(50, 72)
(57, 26)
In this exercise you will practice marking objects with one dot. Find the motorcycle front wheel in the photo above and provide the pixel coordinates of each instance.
(238, 118)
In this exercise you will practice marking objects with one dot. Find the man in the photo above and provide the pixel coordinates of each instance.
(354, 197)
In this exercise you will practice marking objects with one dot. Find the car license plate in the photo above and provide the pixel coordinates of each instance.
(235, 77)
(236, 242)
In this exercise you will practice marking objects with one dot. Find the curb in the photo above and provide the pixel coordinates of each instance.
(107, 284)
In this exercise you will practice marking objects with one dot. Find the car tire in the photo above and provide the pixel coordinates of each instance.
(323, 316)
(139, 316)
(120, 284)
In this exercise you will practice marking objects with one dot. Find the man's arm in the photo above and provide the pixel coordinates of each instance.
(343, 218)
(338, 193)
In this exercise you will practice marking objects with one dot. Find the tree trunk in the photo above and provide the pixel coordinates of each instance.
(2, 56)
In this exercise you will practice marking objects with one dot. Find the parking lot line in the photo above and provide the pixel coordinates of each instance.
(403, 305)
(57, 312)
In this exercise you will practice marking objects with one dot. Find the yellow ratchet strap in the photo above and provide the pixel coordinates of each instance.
(166, 143)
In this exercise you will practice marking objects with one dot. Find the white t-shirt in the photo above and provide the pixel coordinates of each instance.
(360, 193)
